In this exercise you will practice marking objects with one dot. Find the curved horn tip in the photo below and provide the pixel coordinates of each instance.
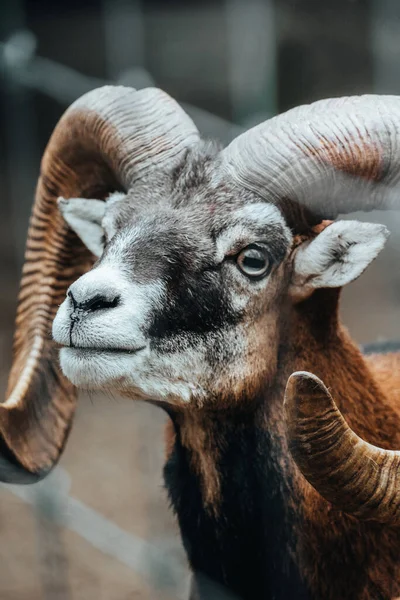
(303, 385)
(305, 378)
(305, 396)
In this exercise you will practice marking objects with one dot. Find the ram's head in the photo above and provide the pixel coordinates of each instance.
(201, 253)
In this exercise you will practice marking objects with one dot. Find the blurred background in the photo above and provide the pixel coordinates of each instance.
(99, 526)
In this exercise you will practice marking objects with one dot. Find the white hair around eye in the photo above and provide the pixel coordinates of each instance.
(249, 224)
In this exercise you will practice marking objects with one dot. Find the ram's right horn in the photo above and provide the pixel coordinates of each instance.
(320, 160)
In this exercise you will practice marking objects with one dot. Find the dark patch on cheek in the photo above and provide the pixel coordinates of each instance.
(194, 304)
(219, 352)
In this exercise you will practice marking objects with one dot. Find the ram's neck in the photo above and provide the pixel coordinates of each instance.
(228, 486)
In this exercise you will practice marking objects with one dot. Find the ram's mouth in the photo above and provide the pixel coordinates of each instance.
(103, 350)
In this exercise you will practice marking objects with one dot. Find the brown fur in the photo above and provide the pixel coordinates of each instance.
(169, 438)
(204, 457)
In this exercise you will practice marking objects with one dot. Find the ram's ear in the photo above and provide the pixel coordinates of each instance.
(338, 255)
(85, 217)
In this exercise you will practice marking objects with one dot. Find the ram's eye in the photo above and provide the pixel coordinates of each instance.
(253, 261)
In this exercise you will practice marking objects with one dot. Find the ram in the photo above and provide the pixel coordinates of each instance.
(218, 276)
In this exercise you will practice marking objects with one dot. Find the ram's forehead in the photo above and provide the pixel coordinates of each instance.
(254, 215)
(211, 210)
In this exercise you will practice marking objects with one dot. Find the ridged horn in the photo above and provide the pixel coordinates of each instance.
(356, 477)
(323, 159)
(105, 141)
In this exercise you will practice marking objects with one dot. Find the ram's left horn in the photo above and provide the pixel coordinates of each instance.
(356, 477)
(106, 141)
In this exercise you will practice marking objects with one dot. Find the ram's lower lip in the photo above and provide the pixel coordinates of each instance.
(92, 350)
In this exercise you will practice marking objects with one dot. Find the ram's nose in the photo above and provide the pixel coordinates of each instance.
(93, 292)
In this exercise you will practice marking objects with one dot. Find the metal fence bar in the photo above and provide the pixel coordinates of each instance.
(385, 42)
(161, 570)
(253, 90)
(20, 64)
(123, 20)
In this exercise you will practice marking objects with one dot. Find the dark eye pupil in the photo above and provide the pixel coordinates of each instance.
(253, 262)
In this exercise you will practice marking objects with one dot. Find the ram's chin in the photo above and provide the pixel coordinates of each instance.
(96, 369)
(136, 375)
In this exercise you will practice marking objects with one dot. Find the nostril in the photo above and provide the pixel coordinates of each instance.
(99, 303)
(74, 302)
